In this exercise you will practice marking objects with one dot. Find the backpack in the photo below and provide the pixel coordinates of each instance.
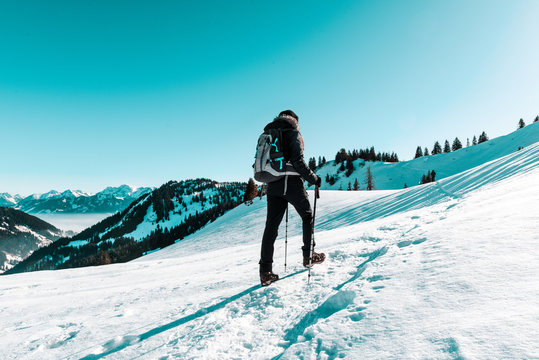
(269, 163)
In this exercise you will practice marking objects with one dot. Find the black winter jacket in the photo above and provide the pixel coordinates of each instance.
(293, 147)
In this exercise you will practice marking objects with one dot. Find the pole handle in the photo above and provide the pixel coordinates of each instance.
(317, 192)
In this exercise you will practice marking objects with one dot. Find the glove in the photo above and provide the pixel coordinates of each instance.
(318, 181)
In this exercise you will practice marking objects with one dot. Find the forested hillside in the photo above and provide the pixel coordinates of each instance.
(153, 221)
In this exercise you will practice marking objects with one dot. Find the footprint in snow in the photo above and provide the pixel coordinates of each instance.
(62, 342)
(406, 243)
(376, 278)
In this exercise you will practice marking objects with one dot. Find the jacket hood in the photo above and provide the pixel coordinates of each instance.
(283, 122)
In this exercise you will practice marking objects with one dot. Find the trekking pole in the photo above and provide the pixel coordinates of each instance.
(286, 238)
(316, 196)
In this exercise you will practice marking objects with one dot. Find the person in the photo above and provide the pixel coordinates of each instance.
(288, 189)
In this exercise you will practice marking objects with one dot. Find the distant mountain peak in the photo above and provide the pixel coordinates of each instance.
(109, 200)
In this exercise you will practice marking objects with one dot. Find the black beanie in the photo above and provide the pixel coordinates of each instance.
(289, 113)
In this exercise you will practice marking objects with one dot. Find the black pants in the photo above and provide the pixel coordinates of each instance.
(277, 203)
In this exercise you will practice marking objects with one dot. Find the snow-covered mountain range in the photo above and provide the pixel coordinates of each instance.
(445, 270)
(109, 200)
(9, 200)
(21, 234)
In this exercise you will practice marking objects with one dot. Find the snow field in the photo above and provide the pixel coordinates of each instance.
(395, 175)
(445, 270)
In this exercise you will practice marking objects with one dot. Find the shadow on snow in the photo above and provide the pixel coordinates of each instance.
(113, 346)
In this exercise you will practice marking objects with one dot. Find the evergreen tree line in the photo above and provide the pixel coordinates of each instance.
(114, 247)
(367, 154)
(457, 144)
(437, 149)
(312, 162)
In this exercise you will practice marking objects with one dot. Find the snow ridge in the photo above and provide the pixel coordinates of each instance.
(393, 176)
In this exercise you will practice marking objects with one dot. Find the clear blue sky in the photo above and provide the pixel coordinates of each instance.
(98, 93)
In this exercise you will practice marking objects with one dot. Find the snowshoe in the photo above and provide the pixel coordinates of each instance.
(317, 258)
(267, 278)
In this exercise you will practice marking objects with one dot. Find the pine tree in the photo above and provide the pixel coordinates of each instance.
(340, 156)
(372, 154)
(312, 163)
(320, 161)
(456, 144)
(426, 152)
(521, 123)
(342, 167)
(251, 192)
(437, 149)
(483, 137)
(349, 167)
(356, 185)
(349, 187)
(323, 159)
(103, 258)
(474, 141)
(405, 186)
(447, 148)
(418, 152)
(340, 187)
(370, 182)
(536, 119)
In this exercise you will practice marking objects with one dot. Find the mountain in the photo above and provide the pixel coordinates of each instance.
(153, 221)
(21, 234)
(9, 200)
(109, 200)
(445, 270)
(391, 176)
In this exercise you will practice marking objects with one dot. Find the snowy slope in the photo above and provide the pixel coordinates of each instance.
(394, 175)
(445, 270)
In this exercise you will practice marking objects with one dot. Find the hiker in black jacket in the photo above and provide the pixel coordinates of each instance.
(288, 189)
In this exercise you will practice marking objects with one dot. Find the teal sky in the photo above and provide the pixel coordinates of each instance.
(99, 93)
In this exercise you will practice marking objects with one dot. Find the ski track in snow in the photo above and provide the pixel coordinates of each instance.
(445, 270)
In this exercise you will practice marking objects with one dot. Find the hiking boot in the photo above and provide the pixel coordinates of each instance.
(267, 278)
(317, 258)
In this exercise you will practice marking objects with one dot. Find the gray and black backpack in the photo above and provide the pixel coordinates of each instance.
(270, 164)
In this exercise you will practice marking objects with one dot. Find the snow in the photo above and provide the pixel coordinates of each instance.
(124, 191)
(8, 199)
(42, 239)
(149, 224)
(395, 175)
(78, 243)
(75, 200)
(445, 270)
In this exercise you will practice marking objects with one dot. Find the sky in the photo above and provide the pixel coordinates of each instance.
(104, 93)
